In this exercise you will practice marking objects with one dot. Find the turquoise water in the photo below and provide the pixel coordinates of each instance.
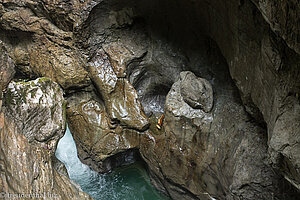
(126, 183)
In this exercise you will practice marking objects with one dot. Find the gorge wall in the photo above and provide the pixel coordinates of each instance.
(32, 121)
(225, 74)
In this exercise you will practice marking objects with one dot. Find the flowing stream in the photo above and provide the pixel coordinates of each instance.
(126, 183)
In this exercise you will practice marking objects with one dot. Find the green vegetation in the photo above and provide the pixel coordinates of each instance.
(8, 98)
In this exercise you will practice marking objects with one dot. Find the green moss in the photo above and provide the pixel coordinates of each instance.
(25, 83)
(45, 83)
(25, 87)
(8, 98)
(44, 79)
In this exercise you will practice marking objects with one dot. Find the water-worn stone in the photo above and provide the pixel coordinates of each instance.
(284, 144)
(196, 92)
(102, 73)
(151, 65)
(197, 145)
(259, 40)
(119, 58)
(255, 58)
(101, 143)
(125, 106)
(32, 122)
(120, 97)
(264, 62)
(283, 18)
(60, 64)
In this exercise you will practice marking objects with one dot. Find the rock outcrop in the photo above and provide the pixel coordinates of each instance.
(38, 45)
(196, 92)
(32, 121)
(196, 145)
(120, 98)
(100, 143)
(184, 120)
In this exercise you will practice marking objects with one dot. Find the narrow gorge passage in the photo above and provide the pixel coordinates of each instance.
(127, 183)
(204, 93)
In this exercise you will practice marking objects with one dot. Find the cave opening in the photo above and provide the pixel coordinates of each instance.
(165, 38)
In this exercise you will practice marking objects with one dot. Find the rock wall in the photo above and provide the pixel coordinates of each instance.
(264, 63)
(33, 119)
(120, 64)
(34, 39)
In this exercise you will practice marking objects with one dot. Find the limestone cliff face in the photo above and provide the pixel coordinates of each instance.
(231, 123)
(264, 63)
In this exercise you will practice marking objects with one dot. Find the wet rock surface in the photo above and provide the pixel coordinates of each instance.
(194, 144)
(32, 121)
(282, 18)
(119, 96)
(98, 139)
(231, 134)
(183, 120)
(266, 72)
(7, 68)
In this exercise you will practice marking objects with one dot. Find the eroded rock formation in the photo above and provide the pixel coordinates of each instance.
(97, 139)
(33, 119)
(120, 97)
(231, 123)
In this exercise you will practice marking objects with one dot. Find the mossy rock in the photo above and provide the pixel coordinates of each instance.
(38, 106)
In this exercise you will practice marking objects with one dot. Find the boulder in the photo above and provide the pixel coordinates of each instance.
(196, 92)
(183, 120)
